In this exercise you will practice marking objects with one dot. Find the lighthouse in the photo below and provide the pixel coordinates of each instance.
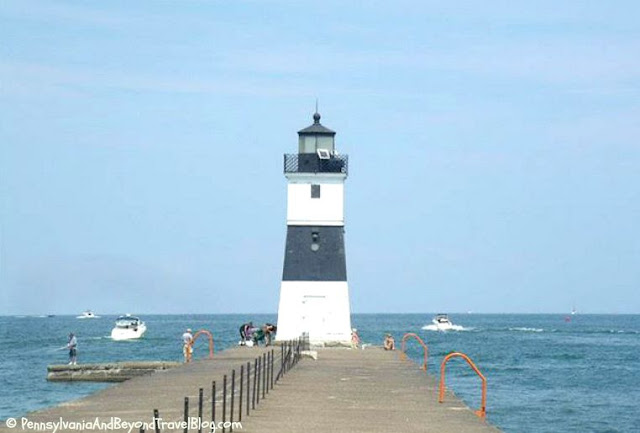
(314, 295)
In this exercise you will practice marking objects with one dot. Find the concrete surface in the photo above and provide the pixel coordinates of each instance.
(343, 390)
(361, 391)
(135, 399)
(109, 372)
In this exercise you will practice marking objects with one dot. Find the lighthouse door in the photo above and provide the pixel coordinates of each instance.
(314, 316)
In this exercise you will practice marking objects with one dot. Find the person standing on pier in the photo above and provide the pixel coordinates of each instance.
(355, 339)
(72, 345)
(187, 345)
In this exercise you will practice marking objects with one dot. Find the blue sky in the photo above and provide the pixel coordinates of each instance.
(494, 152)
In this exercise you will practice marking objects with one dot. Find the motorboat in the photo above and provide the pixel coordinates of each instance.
(88, 315)
(442, 323)
(128, 327)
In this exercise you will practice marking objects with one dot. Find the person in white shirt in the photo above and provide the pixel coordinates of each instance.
(187, 345)
(72, 345)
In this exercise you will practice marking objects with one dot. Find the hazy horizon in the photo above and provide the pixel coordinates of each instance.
(450, 313)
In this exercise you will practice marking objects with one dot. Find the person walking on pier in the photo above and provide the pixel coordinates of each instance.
(72, 345)
(187, 345)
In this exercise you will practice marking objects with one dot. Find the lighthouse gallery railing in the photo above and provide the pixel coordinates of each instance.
(312, 163)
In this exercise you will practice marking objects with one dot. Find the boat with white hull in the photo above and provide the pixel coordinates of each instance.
(87, 315)
(442, 323)
(128, 328)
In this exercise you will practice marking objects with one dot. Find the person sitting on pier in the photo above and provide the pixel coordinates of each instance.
(187, 345)
(245, 333)
(72, 345)
(389, 342)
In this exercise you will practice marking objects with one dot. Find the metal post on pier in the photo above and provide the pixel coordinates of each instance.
(268, 371)
(156, 420)
(248, 384)
(259, 378)
(186, 415)
(213, 402)
(255, 375)
(272, 362)
(224, 401)
(240, 399)
(264, 376)
(267, 375)
(284, 358)
(200, 392)
(233, 397)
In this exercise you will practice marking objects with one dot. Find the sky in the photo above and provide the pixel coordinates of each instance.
(494, 152)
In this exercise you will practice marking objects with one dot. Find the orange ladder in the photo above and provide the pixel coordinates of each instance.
(211, 345)
(482, 412)
(403, 354)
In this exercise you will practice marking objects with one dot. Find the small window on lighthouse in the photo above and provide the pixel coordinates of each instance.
(315, 191)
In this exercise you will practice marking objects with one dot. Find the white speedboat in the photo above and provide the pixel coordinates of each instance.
(442, 323)
(88, 315)
(128, 328)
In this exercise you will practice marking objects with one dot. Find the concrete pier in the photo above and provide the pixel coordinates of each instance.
(365, 391)
(109, 372)
(343, 390)
(135, 399)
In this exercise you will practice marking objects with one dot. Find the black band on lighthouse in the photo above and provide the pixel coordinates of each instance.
(315, 253)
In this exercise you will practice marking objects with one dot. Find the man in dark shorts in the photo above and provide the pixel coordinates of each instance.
(72, 345)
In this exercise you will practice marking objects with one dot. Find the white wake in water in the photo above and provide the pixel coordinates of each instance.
(527, 329)
(433, 327)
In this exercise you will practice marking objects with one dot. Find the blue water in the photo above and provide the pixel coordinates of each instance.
(544, 374)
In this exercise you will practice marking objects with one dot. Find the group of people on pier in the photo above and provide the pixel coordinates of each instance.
(254, 335)
(249, 336)
(388, 343)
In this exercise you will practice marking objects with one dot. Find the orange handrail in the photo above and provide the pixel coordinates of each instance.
(403, 354)
(482, 412)
(211, 345)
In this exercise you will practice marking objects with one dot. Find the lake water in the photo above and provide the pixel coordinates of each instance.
(545, 374)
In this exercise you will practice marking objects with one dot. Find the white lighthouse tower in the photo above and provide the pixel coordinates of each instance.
(314, 296)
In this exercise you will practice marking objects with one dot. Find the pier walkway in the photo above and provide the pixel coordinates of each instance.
(361, 391)
(343, 391)
(135, 399)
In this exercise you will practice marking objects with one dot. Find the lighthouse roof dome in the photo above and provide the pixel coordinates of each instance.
(317, 128)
